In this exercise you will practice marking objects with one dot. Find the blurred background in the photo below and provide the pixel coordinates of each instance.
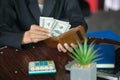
(101, 14)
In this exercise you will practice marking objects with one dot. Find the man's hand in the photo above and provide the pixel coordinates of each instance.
(66, 47)
(35, 34)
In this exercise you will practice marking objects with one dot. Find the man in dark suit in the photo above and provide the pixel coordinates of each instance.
(19, 20)
(85, 7)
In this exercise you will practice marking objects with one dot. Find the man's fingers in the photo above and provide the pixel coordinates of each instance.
(36, 38)
(61, 48)
(68, 47)
(73, 45)
(64, 48)
(38, 28)
(39, 37)
(39, 33)
(58, 47)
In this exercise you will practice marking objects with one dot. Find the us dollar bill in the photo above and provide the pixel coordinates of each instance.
(41, 21)
(60, 27)
(57, 27)
(47, 22)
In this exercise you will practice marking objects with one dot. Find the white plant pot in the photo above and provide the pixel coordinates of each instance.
(82, 73)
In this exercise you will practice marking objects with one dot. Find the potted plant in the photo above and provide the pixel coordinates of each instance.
(84, 65)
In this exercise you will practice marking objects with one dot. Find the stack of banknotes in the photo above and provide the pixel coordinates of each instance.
(56, 27)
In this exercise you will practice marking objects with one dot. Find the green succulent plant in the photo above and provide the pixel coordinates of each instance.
(85, 54)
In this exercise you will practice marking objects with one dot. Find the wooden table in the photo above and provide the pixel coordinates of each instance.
(14, 63)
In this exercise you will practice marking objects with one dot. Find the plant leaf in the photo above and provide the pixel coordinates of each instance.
(85, 54)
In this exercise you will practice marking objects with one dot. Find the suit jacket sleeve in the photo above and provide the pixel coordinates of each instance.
(10, 32)
(73, 12)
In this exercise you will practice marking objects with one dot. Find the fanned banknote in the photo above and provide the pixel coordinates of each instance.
(57, 27)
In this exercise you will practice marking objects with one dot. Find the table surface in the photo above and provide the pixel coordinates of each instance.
(14, 63)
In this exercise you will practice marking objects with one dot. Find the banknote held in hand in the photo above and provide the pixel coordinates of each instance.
(61, 32)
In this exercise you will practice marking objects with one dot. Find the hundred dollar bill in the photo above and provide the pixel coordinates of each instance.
(41, 21)
(47, 22)
(60, 27)
(57, 27)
